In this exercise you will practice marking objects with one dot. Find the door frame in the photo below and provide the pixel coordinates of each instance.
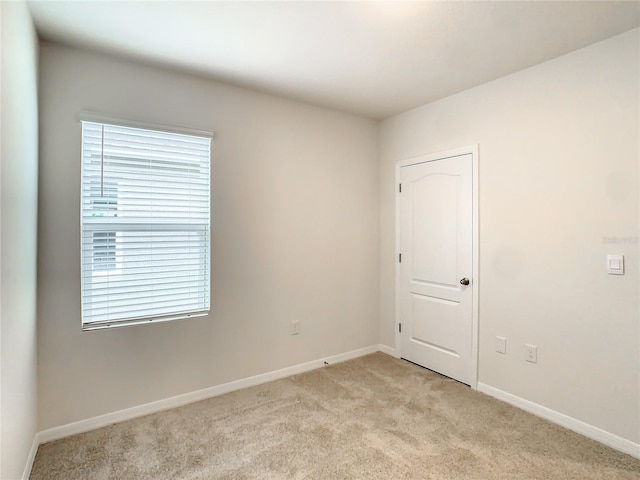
(475, 274)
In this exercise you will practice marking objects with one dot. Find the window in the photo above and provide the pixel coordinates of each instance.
(145, 225)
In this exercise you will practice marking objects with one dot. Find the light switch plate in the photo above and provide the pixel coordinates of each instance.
(531, 354)
(615, 264)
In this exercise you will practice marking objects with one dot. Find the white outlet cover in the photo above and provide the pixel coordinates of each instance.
(295, 327)
(615, 264)
(531, 353)
(501, 345)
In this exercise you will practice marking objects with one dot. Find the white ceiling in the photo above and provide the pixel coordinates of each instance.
(372, 58)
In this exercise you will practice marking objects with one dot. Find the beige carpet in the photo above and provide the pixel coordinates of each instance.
(370, 418)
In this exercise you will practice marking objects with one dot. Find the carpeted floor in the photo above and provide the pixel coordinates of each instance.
(370, 418)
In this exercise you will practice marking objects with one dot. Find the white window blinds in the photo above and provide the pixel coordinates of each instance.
(145, 225)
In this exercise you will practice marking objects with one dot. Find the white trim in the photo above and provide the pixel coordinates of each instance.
(343, 357)
(389, 350)
(475, 278)
(398, 309)
(96, 117)
(578, 426)
(31, 457)
(475, 340)
(89, 424)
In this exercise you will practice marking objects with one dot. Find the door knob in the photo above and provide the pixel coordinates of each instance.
(464, 281)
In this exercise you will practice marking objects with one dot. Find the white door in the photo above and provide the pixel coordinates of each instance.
(436, 265)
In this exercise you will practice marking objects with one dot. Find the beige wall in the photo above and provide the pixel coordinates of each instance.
(559, 178)
(295, 236)
(19, 187)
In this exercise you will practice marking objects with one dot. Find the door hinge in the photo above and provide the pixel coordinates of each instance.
(400, 327)
(399, 188)
(400, 258)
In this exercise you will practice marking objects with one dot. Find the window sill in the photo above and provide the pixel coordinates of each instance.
(140, 321)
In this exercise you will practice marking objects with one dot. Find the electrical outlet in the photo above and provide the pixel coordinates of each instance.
(531, 353)
(295, 327)
(501, 345)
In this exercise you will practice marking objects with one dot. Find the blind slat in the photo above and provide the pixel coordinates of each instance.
(144, 284)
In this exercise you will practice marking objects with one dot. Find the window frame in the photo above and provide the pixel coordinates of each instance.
(93, 229)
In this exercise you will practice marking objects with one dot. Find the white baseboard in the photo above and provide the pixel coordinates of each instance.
(184, 399)
(389, 350)
(578, 426)
(343, 357)
(32, 456)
